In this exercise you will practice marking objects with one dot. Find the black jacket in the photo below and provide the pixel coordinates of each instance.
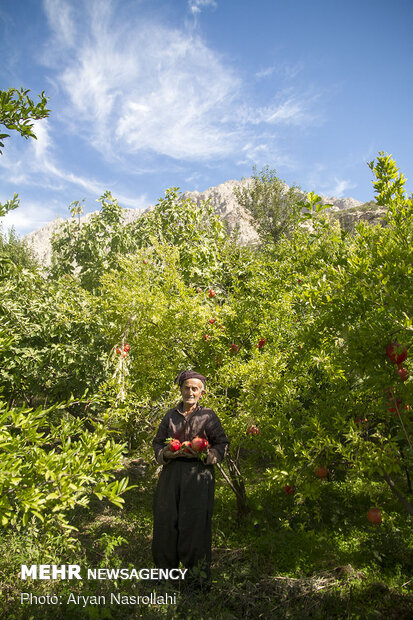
(203, 422)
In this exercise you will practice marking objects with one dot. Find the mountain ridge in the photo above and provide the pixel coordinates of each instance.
(224, 203)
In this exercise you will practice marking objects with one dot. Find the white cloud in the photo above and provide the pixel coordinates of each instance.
(60, 17)
(135, 86)
(37, 166)
(91, 186)
(340, 187)
(263, 73)
(285, 70)
(320, 178)
(30, 216)
(36, 163)
(196, 6)
(290, 111)
(157, 89)
(194, 180)
(43, 143)
(260, 154)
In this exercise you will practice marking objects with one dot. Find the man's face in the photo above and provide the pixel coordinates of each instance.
(192, 390)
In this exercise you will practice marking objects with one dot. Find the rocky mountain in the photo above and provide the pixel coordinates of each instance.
(347, 210)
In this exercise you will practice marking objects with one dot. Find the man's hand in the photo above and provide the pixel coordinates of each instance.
(189, 453)
(211, 458)
(168, 454)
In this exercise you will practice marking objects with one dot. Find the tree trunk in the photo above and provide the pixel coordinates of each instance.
(236, 482)
(406, 471)
(397, 493)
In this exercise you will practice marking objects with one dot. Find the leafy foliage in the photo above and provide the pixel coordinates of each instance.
(274, 208)
(9, 205)
(55, 345)
(18, 111)
(91, 248)
(292, 337)
(15, 251)
(47, 469)
(195, 231)
(323, 303)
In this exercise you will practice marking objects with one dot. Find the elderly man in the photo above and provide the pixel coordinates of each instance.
(184, 497)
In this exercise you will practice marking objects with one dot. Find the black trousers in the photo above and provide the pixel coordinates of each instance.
(183, 507)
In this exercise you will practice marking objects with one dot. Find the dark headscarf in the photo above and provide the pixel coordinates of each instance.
(188, 374)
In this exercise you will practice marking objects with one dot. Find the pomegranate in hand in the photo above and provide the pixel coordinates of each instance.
(174, 445)
(199, 444)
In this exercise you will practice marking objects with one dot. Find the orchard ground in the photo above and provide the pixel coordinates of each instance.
(321, 560)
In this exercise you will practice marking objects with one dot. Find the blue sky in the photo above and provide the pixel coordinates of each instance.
(150, 94)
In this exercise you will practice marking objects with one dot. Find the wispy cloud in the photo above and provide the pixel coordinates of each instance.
(136, 86)
(263, 73)
(38, 165)
(149, 89)
(60, 17)
(178, 111)
(340, 187)
(196, 6)
(258, 154)
(30, 215)
(324, 181)
(286, 70)
(289, 111)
